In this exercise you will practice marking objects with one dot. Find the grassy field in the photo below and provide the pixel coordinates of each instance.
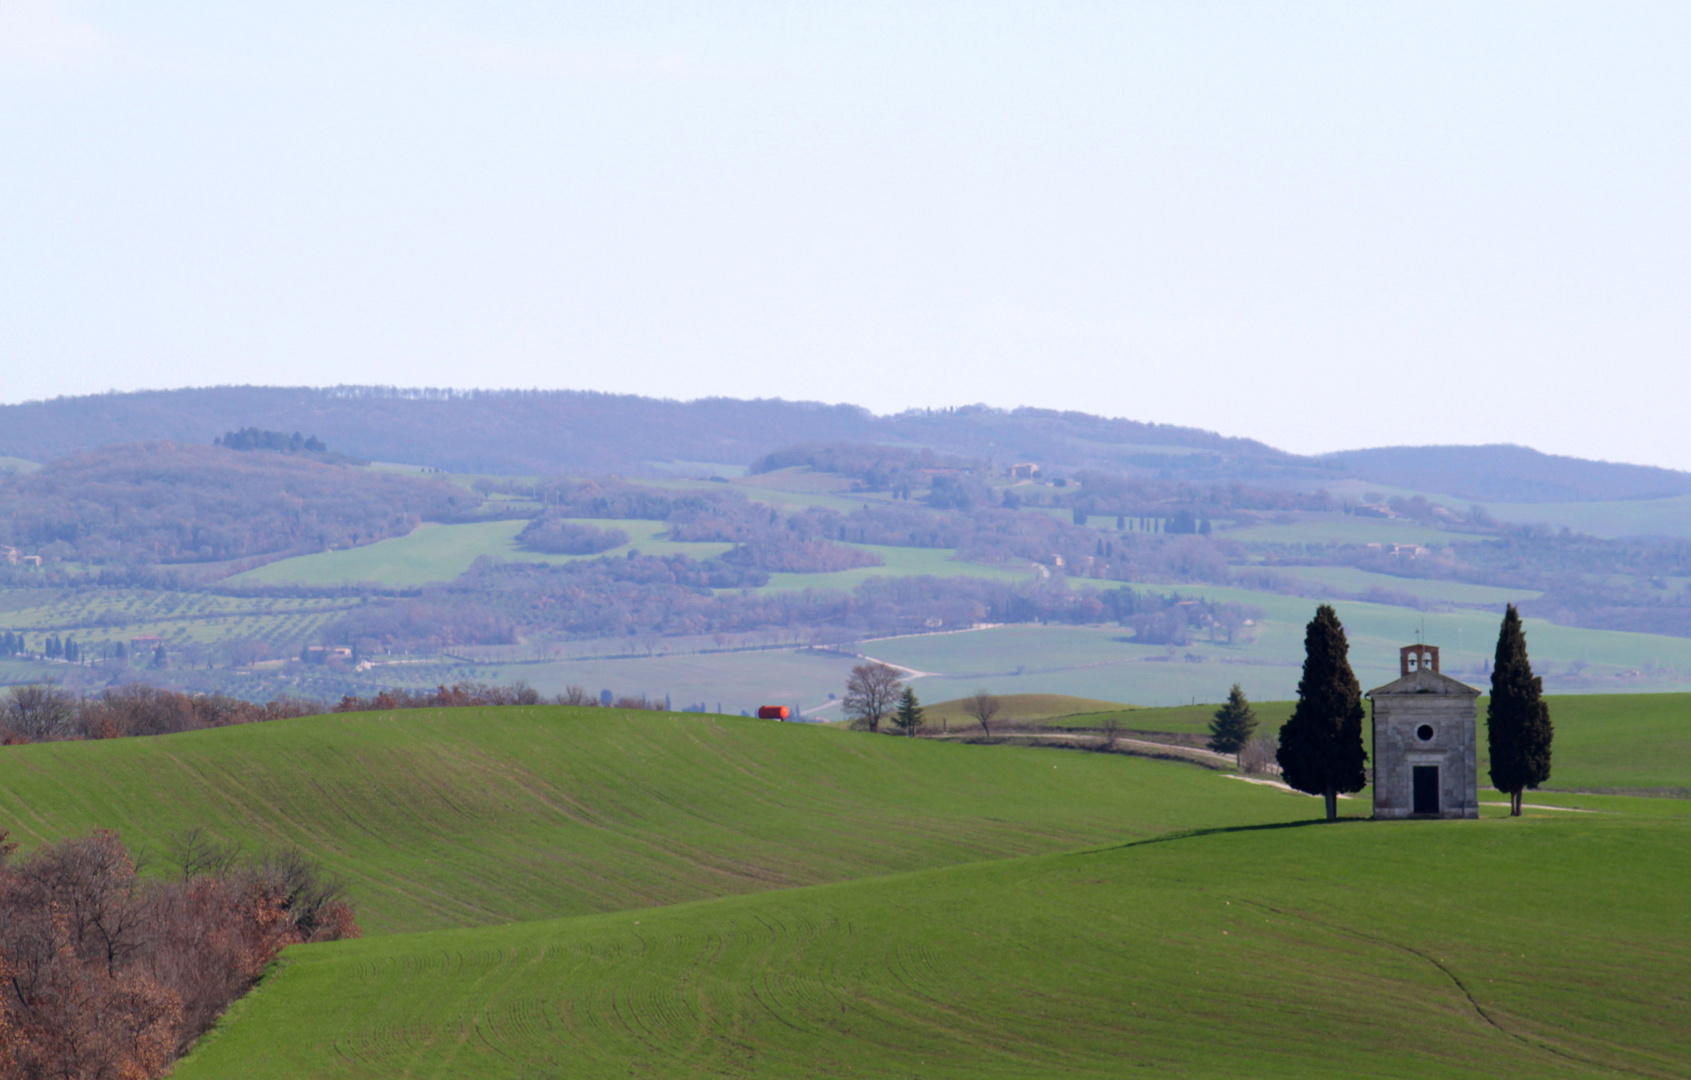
(1634, 517)
(1344, 529)
(1544, 947)
(465, 817)
(1348, 579)
(1020, 708)
(443, 552)
(899, 562)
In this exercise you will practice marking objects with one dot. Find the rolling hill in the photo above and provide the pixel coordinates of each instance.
(1497, 948)
(604, 893)
(464, 817)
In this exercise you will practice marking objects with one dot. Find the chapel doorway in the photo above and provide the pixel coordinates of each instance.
(1426, 779)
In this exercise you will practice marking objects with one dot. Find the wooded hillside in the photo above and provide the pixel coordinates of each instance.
(163, 502)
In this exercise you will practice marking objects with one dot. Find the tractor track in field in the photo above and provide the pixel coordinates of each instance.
(1456, 981)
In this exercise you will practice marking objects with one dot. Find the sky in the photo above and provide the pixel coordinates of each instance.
(1325, 226)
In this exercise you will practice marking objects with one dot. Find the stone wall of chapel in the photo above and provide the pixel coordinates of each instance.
(1397, 749)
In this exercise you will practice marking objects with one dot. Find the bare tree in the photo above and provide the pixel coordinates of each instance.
(196, 853)
(1261, 755)
(1110, 731)
(984, 707)
(37, 712)
(577, 696)
(871, 692)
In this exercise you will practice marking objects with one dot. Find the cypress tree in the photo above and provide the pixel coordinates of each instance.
(1233, 724)
(909, 714)
(1518, 727)
(1321, 745)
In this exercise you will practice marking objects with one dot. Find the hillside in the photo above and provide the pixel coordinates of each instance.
(163, 502)
(1509, 474)
(522, 432)
(1501, 948)
(463, 817)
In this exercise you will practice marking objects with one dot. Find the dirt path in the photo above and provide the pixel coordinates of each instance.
(1192, 753)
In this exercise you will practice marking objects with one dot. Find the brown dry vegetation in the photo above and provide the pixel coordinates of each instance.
(106, 976)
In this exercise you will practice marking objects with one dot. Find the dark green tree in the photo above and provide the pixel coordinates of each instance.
(909, 715)
(1321, 745)
(1233, 724)
(1517, 719)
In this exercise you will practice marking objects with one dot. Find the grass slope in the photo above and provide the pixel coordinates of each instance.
(463, 817)
(1499, 948)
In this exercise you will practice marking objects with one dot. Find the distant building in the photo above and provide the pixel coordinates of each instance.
(1425, 759)
(1405, 550)
(1022, 470)
(10, 554)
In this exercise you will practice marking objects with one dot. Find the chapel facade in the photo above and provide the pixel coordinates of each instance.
(1425, 754)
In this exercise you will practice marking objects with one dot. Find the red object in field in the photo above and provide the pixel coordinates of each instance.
(772, 712)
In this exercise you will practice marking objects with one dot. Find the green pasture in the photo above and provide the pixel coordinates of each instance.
(1615, 742)
(1551, 946)
(771, 493)
(1345, 529)
(1348, 579)
(443, 552)
(1633, 517)
(465, 817)
(898, 562)
(17, 465)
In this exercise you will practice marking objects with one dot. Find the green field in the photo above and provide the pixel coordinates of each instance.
(1347, 579)
(715, 896)
(899, 562)
(465, 817)
(1345, 529)
(443, 552)
(1535, 948)
(1633, 517)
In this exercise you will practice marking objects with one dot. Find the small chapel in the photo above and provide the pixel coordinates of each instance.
(1425, 760)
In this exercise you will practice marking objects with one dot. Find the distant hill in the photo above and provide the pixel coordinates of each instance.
(1504, 473)
(548, 432)
(526, 432)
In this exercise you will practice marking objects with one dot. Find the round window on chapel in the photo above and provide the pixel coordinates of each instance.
(1424, 732)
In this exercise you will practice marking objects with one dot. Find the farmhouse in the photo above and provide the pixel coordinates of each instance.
(1424, 745)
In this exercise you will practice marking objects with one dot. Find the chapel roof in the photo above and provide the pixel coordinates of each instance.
(1425, 682)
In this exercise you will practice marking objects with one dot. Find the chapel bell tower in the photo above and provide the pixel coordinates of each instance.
(1425, 761)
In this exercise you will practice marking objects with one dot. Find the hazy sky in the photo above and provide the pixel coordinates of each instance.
(1321, 225)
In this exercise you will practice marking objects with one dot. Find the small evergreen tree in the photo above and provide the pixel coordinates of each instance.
(1518, 728)
(1233, 724)
(909, 715)
(1321, 745)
